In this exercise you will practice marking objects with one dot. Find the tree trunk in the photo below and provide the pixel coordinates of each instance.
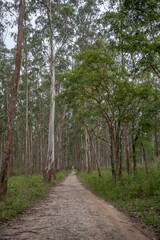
(60, 139)
(134, 156)
(1, 147)
(51, 154)
(99, 145)
(27, 99)
(112, 158)
(93, 160)
(78, 161)
(116, 161)
(115, 141)
(156, 136)
(43, 143)
(145, 159)
(30, 150)
(68, 153)
(120, 155)
(88, 154)
(37, 150)
(127, 152)
(40, 138)
(12, 106)
(97, 162)
(134, 140)
(86, 158)
(107, 148)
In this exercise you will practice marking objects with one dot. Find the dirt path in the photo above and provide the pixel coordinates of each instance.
(71, 212)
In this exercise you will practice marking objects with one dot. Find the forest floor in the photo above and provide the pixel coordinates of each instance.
(71, 211)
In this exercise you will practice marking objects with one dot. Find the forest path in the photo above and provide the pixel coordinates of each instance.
(71, 211)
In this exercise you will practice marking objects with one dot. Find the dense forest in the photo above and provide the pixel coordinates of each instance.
(79, 89)
(88, 94)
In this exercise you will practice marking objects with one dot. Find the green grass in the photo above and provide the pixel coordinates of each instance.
(139, 195)
(24, 192)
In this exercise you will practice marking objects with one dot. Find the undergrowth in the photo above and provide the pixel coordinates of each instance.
(138, 194)
(24, 192)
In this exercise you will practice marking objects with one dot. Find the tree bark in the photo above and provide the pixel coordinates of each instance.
(107, 148)
(88, 154)
(68, 152)
(114, 142)
(60, 139)
(156, 136)
(145, 159)
(134, 140)
(97, 162)
(77, 150)
(27, 99)
(51, 153)
(43, 142)
(116, 161)
(120, 154)
(112, 158)
(12, 106)
(99, 145)
(134, 156)
(128, 152)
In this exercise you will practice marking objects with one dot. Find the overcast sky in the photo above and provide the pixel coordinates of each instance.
(8, 39)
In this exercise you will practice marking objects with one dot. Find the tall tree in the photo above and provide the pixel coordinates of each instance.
(51, 153)
(12, 106)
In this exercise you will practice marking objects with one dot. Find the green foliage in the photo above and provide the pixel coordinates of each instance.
(137, 194)
(60, 176)
(97, 87)
(24, 192)
(135, 27)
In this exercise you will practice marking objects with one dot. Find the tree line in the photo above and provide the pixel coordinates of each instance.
(92, 68)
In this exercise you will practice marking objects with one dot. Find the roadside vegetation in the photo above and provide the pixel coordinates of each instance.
(137, 194)
(24, 193)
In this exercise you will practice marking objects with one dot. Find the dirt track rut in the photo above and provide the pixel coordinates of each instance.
(72, 212)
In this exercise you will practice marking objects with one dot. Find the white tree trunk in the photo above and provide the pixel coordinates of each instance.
(51, 153)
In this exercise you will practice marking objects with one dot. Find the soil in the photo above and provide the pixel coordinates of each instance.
(72, 212)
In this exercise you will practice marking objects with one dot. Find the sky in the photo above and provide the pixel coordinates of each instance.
(9, 42)
(8, 39)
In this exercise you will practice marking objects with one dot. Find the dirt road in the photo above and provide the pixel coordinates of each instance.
(71, 212)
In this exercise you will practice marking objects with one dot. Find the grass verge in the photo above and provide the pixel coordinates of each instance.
(24, 192)
(138, 195)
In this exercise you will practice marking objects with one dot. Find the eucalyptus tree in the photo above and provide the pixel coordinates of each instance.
(26, 34)
(74, 27)
(12, 106)
(34, 73)
(59, 31)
